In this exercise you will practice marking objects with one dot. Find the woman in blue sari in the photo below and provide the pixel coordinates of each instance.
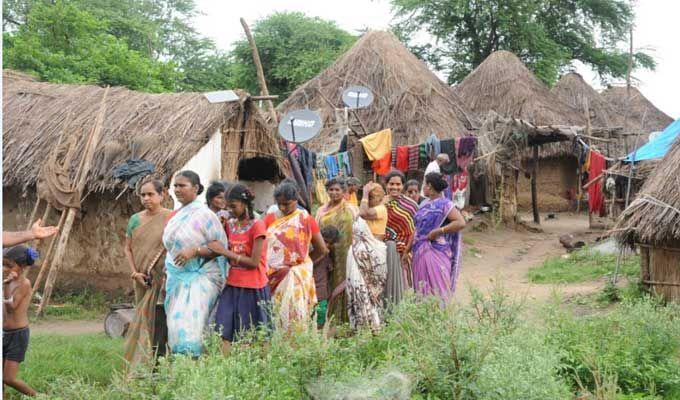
(437, 242)
(194, 275)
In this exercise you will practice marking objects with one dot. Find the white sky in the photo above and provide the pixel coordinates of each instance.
(656, 30)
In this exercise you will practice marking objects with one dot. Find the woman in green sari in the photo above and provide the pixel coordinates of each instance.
(340, 214)
(145, 254)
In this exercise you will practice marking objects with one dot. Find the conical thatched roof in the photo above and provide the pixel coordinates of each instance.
(573, 90)
(654, 216)
(166, 129)
(643, 116)
(502, 83)
(409, 98)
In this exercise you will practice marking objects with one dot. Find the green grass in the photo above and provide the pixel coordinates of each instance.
(92, 359)
(87, 304)
(582, 266)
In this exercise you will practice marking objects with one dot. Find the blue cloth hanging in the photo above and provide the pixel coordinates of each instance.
(332, 166)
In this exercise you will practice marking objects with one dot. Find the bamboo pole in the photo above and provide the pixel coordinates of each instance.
(33, 213)
(45, 266)
(534, 189)
(260, 72)
(81, 178)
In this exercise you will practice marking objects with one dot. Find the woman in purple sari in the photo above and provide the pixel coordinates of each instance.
(436, 243)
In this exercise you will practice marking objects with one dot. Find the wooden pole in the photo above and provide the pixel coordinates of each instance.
(628, 84)
(260, 72)
(81, 178)
(47, 260)
(534, 190)
(33, 213)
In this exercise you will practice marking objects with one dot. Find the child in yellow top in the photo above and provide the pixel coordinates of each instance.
(372, 209)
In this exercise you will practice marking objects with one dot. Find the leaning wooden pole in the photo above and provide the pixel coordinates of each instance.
(534, 189)
(47, 259)
(260, 72)
(81, 178)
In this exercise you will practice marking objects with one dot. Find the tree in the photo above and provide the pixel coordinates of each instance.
(293, 48)
(548, 35)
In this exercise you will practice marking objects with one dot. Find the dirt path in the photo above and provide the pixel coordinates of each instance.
(76, 327)
(507, 255)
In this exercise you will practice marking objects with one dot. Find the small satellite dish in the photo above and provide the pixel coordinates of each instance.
(298, 126)
(357, 97)
(221, 96)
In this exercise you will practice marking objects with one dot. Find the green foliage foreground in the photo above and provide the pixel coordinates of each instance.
(582, 266)
(424, 352)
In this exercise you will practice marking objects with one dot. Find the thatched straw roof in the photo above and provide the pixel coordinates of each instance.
(409, 98)
(643, 116)
(166, 129)
(502, 83)
(573, 90)
(654, 216)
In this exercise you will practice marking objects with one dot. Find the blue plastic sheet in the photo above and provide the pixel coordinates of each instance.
(658, 147)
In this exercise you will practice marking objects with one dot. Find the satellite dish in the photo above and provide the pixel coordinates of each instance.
(298, 126)
(221, 96)
(357, 97)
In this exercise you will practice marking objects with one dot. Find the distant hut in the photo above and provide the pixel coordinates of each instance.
(409, 98)
(639, 113)
(652, 221)
(575, 91)
(503, 84)
(228, 140)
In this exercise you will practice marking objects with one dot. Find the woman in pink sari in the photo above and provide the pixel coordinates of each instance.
(437, 243)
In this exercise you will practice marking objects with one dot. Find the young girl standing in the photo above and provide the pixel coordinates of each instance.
(244, 302)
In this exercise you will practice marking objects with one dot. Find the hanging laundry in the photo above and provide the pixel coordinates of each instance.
(466, 149)
(402, 158)
(306, 159)
(341, 164)
(378, 148)
(422, 156)
(595, 196)
(448, 147)
(394, 157)
(433, 146)
(320, 190)
(332, 166)
(321, 172)
(348, 163)
(413, 158)
(293, 149)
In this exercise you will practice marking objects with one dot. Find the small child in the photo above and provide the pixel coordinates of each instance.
(322, 268)
(17, 298)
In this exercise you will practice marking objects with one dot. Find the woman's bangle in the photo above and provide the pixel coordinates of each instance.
(238, 259)
(198, 251)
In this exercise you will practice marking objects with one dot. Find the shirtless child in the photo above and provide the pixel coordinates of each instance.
(16, 300)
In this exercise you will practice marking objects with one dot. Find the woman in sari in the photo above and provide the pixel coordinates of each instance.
(194, 276)
(340, 214)
(144, 250)
(290, 231)
(400, 227)
(436, 245)
(366, 275)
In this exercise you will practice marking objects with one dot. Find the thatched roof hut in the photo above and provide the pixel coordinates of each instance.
(409, 98)
(502, 83)
(652, 221)
(166, 129)
(573, 90)
(643, 116)
(173, 131)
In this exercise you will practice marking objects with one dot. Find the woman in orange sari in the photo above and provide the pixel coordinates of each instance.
(340, 214)
(144, 251)
(290, 231)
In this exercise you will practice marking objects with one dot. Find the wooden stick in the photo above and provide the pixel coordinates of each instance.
(46, 215)
(33, 213)
(81, 179)
(260, 72)
(594, 180)
(47, 259)
(269, 97)
(534, 190)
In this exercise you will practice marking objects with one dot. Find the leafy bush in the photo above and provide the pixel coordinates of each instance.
(637, 345)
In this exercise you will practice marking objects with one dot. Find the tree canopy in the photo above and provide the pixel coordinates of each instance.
(293, 48)
(548, 35)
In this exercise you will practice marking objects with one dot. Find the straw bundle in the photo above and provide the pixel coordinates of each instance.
(654, 216)
(643, 116)
(165, 129)
(408, 97)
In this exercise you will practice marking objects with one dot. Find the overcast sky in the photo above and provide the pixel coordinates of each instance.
(656, 30)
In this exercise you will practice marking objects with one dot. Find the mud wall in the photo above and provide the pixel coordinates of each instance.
(556, 184)
(94, 257)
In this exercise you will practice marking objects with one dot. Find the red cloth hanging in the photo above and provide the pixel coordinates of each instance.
(402, 158)
(382, 166)
(595, 196)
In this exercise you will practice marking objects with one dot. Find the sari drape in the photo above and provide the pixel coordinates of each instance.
(192, 289)
(366, 275)
(341, 216)
(436, 263)
(400, 228)
(290, 270)
(144, 339)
